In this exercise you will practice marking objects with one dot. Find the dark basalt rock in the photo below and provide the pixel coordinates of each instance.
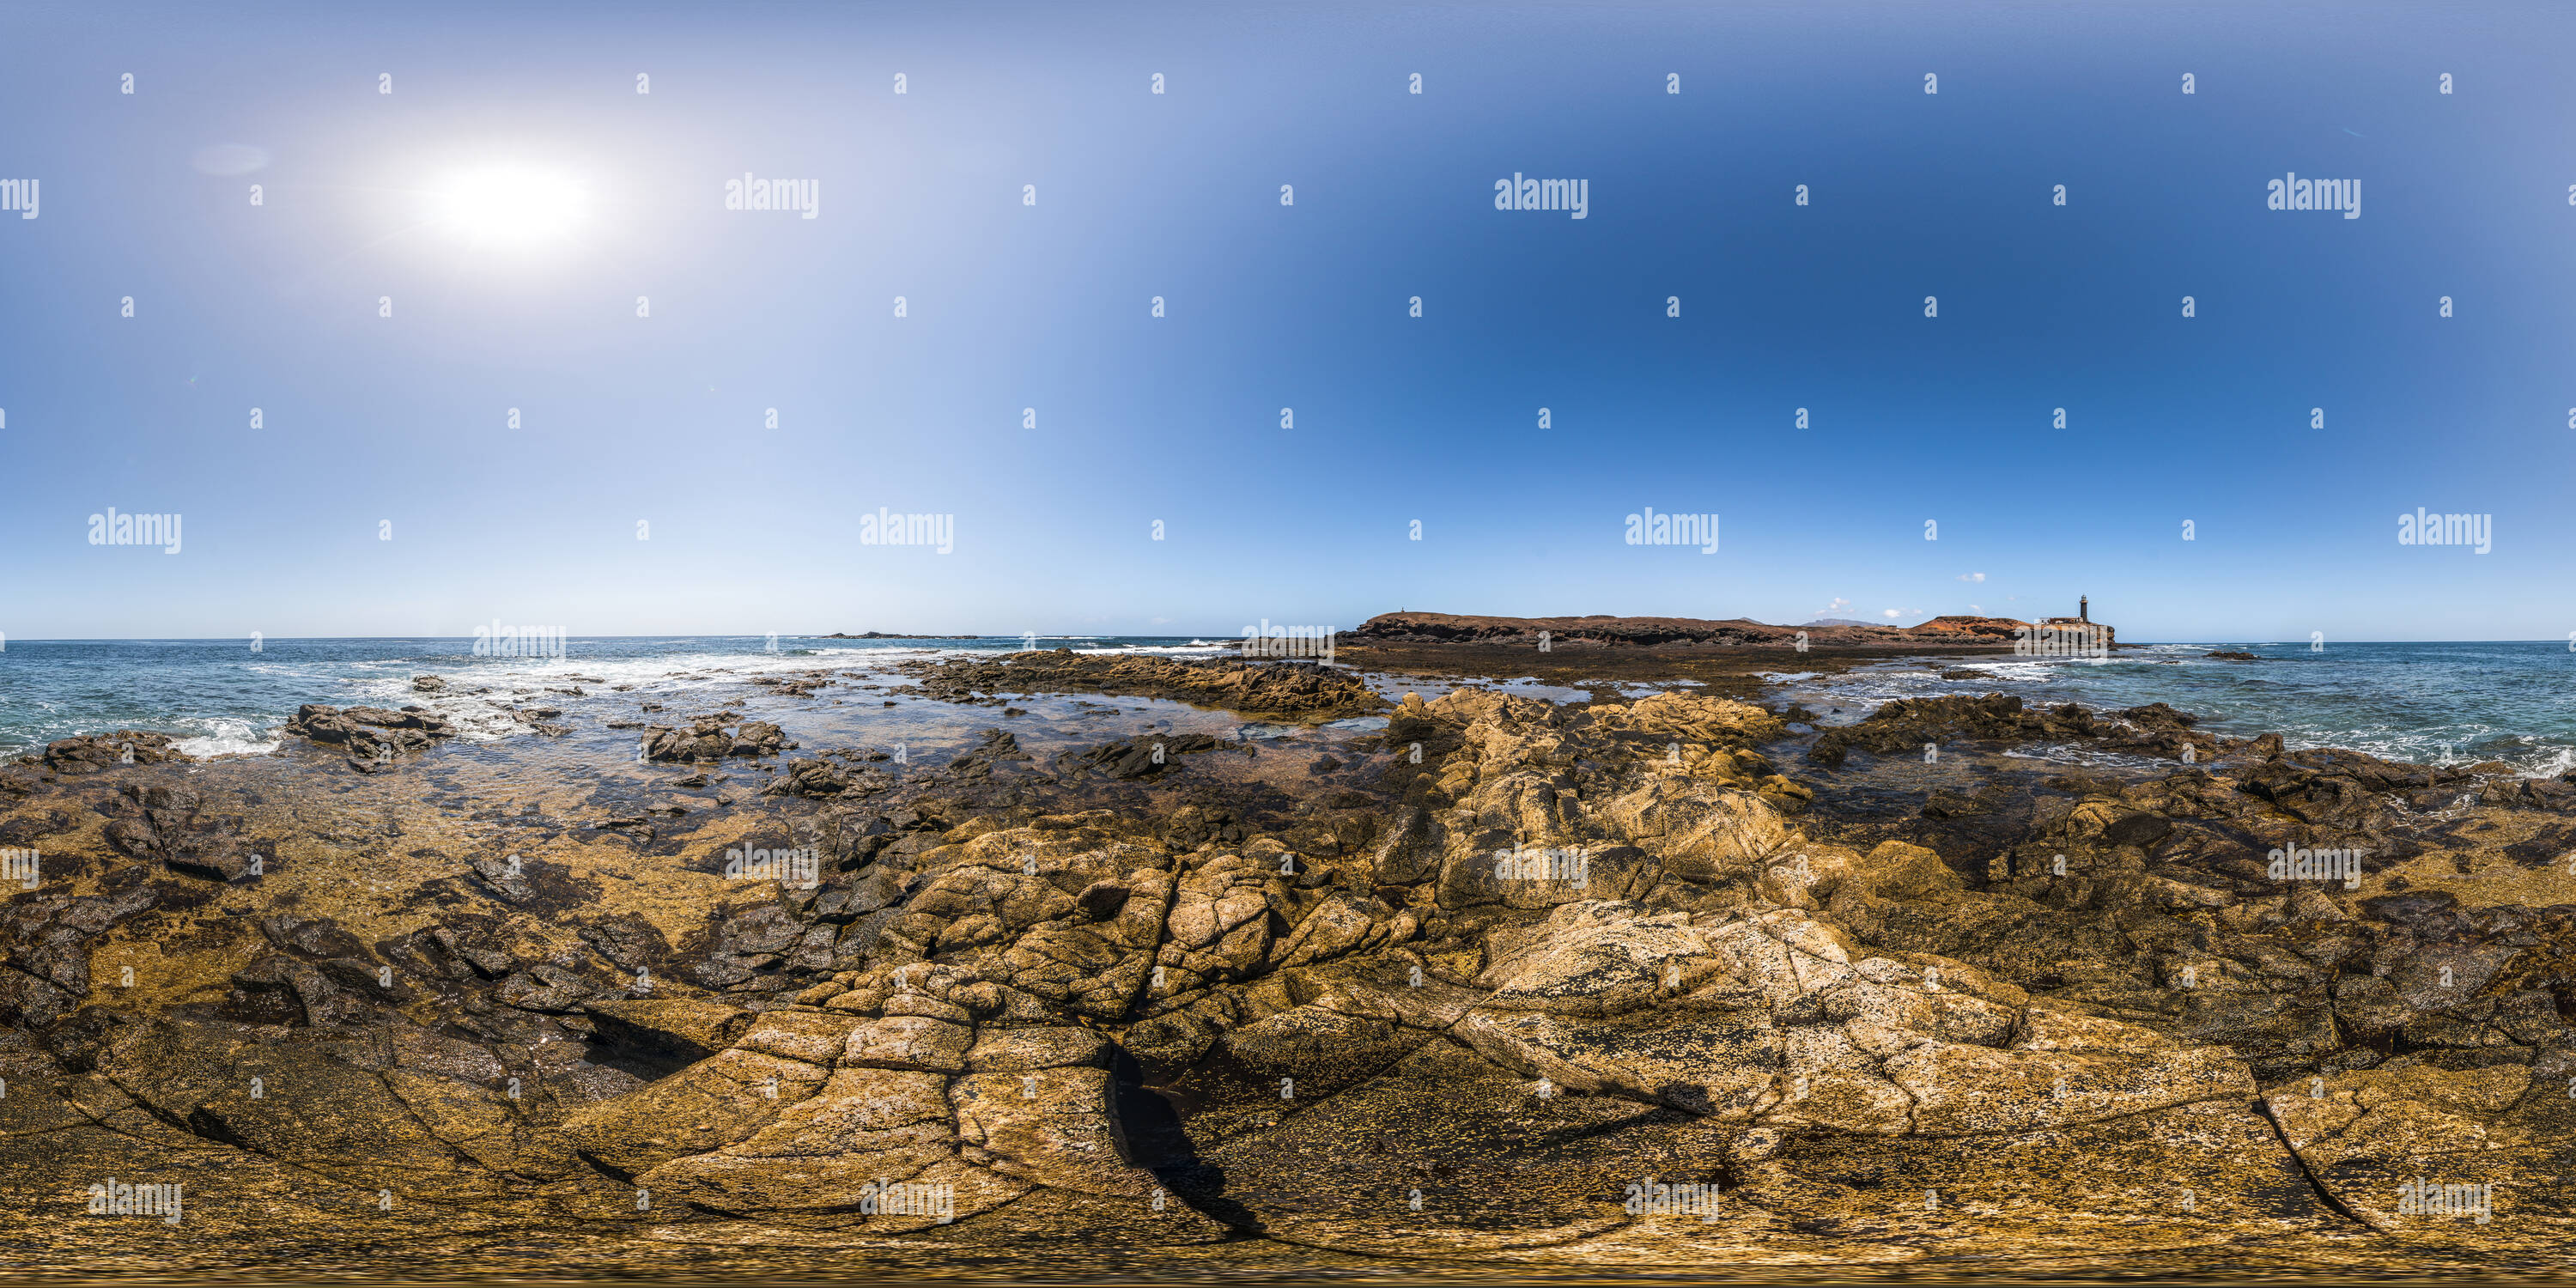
(709, 738)
(373, 736)
(92, 754)
(1286, 689)
(827, 777)
(1145, 754)
(1906, 725)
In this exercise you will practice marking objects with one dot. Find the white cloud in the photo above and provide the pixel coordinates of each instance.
(1972, 576)
(1837, 606)
(1896, 612)
(1976, 608)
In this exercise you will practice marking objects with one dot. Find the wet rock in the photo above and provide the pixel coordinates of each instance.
(1144, 755)
(1286, 689)
(505, 878)
(757, 738)
(311, 937)
(46, 943)
(824, 778)
(133, 838)
(92, 754)
(482, 958)
(713, 737)
(280, 989)
(373, 736)
(999, 747)
(809, 778)
(1905, 726)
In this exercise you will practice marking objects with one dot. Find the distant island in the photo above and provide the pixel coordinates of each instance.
(891, 635)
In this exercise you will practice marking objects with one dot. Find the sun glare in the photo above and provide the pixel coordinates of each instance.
(511, 205)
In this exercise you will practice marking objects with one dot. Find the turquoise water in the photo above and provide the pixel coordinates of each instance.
(2513, 701)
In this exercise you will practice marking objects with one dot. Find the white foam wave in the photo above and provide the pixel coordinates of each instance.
(226, 737)
(1168, 650)
(2068, 754)
(533, 677)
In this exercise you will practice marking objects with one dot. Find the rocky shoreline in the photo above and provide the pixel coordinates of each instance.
(1291, 691)
(1955, 633)
(1610, 657)
(1504, 984)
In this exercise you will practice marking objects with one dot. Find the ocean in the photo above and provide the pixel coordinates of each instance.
(2442, 703)
(2449, 703)
(219, 697)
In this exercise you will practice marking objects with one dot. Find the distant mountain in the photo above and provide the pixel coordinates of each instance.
(1840, 621)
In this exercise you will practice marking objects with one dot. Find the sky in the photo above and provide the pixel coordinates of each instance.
(466, 212)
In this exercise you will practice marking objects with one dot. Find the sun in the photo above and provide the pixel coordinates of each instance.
(511, 205)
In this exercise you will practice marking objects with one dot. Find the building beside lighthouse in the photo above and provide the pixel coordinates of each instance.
(2081, 626)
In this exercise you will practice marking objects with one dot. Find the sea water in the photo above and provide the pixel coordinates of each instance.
(2454, 703)
(2427, 703)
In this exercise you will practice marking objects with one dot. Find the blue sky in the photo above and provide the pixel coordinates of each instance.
(368, 420)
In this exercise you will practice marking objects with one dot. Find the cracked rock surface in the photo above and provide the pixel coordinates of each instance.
(1505, 982)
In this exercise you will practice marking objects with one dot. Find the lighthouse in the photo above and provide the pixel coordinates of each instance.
(2084, 608)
